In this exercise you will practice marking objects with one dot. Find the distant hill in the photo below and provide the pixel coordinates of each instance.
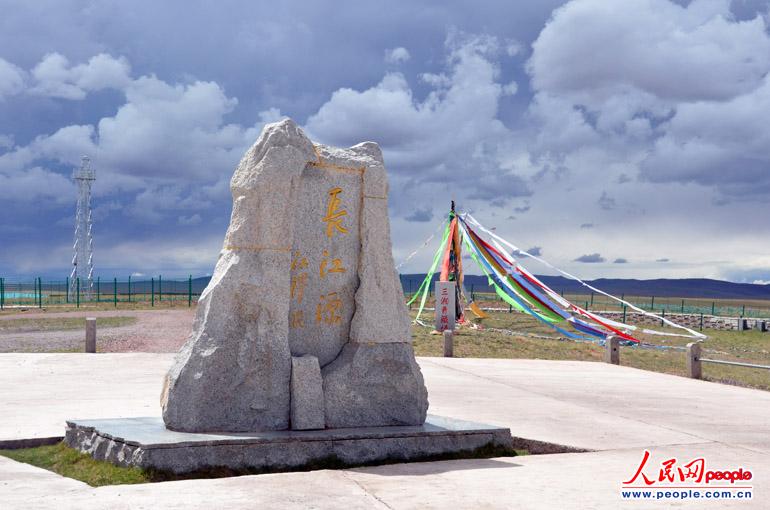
(662, 287)
(684, 288)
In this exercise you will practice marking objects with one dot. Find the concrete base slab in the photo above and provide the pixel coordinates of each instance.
(146, 443)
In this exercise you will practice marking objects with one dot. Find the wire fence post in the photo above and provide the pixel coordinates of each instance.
(2, 293)
(743, 311)
(652, 303)
(90, 335)
(67, 290)
(694, 367)
(98, 290)
(701, 321)
(448, 343)
(40, 292)
(683, 306)
(78, 293)
(189, 290)
(129, 288)
(160, 287)
(712, 308)
(592, 299)
(612, 350)
(152, 291)
(115, 291)
(624, 313)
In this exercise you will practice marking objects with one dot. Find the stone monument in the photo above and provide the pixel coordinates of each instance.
(305, 290)
(302, 329)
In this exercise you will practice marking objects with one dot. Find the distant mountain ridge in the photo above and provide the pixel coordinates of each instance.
(663, 287)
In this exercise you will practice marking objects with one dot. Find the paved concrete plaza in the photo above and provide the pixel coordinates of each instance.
(615, 411)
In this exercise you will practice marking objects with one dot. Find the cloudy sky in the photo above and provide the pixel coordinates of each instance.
(618, 139)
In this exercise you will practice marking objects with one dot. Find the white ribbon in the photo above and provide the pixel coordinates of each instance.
(427, 241)
(692, 333)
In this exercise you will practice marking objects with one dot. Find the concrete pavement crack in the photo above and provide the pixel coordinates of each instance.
(347, 474)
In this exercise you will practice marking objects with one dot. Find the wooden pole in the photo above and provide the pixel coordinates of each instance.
(448, 343)
(90, 335)
(694, 366)
(612, 350)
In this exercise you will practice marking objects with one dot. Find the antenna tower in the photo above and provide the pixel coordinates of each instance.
(82, 262)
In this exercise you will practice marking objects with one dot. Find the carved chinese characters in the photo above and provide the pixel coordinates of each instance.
(445, 306)
(325, 255)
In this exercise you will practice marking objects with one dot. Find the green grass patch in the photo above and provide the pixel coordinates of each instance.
(745, 346)
(37, 324)
(66, 461)
(13, 308)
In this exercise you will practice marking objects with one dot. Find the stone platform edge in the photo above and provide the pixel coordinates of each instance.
(34, 442)
(146, 443)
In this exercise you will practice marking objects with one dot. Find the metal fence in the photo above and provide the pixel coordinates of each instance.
(155, 291)
(655, 304)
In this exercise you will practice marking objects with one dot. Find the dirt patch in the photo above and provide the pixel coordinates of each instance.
(162, 330)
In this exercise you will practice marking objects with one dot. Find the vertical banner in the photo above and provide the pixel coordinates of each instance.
(445, 306)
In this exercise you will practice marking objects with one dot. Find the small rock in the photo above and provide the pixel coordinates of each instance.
(307, 394)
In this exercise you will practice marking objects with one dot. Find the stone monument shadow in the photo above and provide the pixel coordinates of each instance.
(436, 467)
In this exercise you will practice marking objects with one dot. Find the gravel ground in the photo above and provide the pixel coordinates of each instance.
(155, 331)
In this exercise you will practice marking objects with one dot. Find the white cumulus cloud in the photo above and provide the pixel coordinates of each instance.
(163, 132)
(55, 77)
(679, 92)
(397, 55)
(456, 122)
(600, 49)
(11, 79)
(36, 183)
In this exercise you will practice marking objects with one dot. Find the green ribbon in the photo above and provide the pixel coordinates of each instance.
(425, 285)
(500, 292)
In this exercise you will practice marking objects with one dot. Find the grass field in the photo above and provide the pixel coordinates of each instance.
(496, 341)
(23, 325)
(100, 306)
(515, 335)
(658, 304)
(723, 307)
(673, 303)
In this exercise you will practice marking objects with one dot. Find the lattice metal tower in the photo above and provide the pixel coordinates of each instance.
(82, 262)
